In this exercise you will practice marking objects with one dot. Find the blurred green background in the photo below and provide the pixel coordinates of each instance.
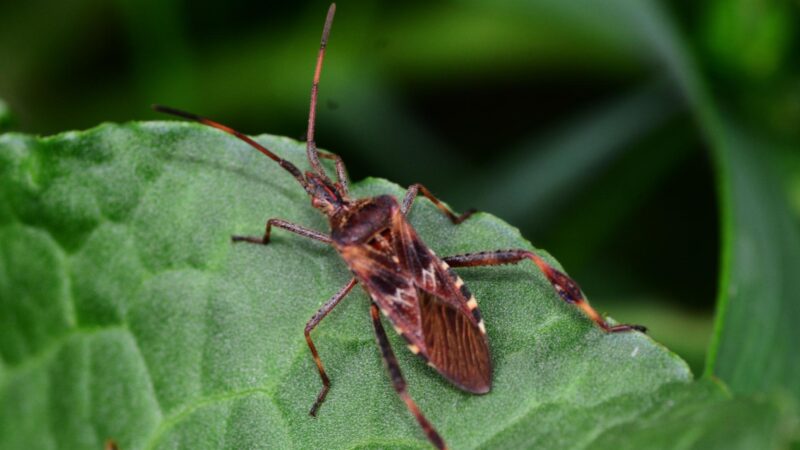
(568, 119)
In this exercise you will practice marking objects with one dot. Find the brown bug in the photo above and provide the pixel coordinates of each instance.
(418, 292)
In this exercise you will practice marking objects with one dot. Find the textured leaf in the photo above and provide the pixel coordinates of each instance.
(126, 313)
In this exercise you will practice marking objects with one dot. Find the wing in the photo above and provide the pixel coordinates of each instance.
(454, 345)
(427, 303)
(452, 329)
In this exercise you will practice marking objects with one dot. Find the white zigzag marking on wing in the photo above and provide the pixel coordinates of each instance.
(429, 277)
(399, 297)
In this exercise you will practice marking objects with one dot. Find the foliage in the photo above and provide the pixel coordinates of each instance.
(128, 314)
(649, 144)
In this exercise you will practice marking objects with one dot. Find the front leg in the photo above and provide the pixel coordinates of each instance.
(568, 289)
(411, 194)
(288, 226)
(341, 172)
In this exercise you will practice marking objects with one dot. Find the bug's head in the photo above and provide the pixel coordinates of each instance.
(326, 196)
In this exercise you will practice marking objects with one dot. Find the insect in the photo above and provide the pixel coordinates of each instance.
(426, 302)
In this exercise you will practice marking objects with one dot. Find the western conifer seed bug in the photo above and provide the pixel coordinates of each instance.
(417, 291)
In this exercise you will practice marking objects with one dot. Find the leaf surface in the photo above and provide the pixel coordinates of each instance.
(126, 313)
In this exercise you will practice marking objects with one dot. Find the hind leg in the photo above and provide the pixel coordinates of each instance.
(567, 289)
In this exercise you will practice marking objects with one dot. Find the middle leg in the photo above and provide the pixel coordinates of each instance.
(411, 195)
(566, 287)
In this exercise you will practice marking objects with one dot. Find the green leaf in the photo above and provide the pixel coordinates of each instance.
(758, 305)
(6, 118)
(756, 326)
(126, 313)
(544, 171)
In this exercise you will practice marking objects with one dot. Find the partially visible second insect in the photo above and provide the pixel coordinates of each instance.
(418, 292)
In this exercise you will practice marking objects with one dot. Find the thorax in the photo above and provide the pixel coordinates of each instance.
(365, 222)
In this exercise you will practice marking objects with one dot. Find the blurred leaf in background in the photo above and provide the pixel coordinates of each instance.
(5, 116)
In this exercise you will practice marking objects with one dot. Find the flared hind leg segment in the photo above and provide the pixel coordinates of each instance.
(411, 195)
(288, 226)
(312, 323)
(399, 383)
(566, 287)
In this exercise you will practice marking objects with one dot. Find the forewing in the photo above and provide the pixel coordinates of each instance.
(454, 345)
(389, 285)
(426, 302)
(451, 330)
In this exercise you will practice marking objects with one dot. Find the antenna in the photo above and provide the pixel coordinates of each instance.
(291, 168)
(311, 145)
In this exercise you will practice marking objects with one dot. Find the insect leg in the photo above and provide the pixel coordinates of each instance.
(313, 322)
(341, 173)
(411, 194)
(288, 226)
(399, 382)
(568, 289)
